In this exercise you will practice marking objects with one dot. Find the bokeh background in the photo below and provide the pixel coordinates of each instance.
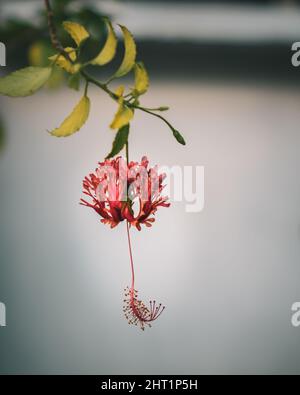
(228, 275)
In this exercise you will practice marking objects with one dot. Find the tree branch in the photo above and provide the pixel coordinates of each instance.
(104, 86)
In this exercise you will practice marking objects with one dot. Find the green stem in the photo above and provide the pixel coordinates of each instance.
(157, 109)
(100, 85)
(155, 115)
(86, 87)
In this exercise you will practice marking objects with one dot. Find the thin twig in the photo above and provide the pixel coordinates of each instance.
(53, 33)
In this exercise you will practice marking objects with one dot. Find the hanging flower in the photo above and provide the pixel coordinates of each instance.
(121, 192)
(116, 190)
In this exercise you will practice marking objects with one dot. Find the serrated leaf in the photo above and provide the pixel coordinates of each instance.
(74, 81)
(76, 31)
(141, 79)
(75, 120)
(64, 63)
(119, 141)
(24, 82)
(178, 137)
(129, 56)
(123, 116)
(108, 52)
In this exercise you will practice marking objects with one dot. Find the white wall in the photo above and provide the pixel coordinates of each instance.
(228, 275)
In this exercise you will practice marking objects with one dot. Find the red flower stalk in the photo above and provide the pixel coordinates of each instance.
(114, 189)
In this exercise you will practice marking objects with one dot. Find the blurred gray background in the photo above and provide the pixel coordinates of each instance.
(228, 275)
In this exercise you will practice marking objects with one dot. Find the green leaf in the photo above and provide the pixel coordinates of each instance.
(129, 56)
(108, 52)
(76, 31)
(119, 141)
(178, 137)
(24, 82)
(123, 115)
(75, 120)
(74, 81)
(141, 79)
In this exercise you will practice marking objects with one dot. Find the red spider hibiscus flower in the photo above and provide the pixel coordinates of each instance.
(121, 191)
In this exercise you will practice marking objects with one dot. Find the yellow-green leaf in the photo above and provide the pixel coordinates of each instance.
(108, 52)
(129, 56)
(24, 82)
(123, 115)
(56, 79)
(75, 120)
(76, 31)
(64, 63)
(36, 54)
(141, 79)
(120, 91)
